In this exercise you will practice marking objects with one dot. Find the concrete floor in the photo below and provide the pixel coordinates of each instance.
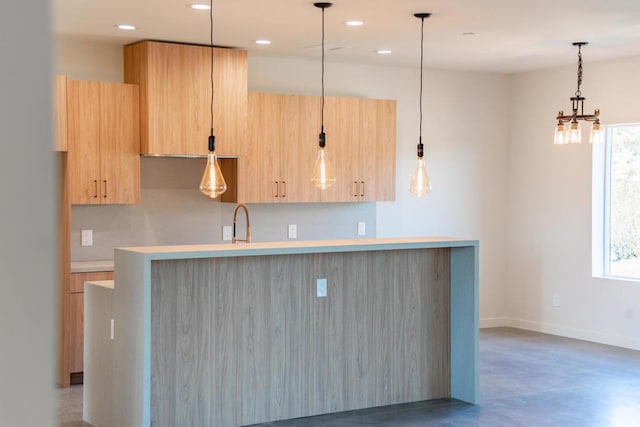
(526, 379)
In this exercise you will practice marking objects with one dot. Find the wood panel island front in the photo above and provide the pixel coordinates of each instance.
(230, 335)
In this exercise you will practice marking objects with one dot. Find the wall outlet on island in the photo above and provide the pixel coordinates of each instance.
(321, 288)
(556, 300)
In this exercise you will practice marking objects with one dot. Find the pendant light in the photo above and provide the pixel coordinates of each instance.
(572, 133)
(322, 175)
(212, 183)
(420, 183)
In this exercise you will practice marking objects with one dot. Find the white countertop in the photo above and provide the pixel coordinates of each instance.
(295, 247)
(90, 266)
(102, 283)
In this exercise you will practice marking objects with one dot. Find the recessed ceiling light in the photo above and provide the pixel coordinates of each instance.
(355, 23)
(127, 27)
(199, 6)
(263, 41)
(383, 51)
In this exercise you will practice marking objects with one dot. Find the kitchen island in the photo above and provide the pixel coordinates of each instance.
(225, 335)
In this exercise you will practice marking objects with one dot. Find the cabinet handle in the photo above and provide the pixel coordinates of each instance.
(284, 189)
(362, 194)
(277, 187)
(95, 188)
(355, 188)
(105, 189)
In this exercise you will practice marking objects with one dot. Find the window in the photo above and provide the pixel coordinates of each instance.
(616, 203)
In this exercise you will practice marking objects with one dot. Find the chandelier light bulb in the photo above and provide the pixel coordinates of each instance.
(560, 136)
(574, 134)
(597, 133)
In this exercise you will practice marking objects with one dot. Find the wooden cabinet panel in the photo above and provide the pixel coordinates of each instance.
(300, 129)
(103, 157)
(283, 142)
(361, 142)
(377, 150)
(259, 177)
(342, 128)
(175, 97)
(119, 143)
(76, 335)
(83, 161)
(277, 162)
(60, 112)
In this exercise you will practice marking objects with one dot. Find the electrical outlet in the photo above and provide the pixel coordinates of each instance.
(86, 238)
(556, 300)
(321, 288)
(362, 230)
(292, 231)
(227, 232)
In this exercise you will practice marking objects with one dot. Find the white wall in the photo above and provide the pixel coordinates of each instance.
(465, 135)
(549, 208)
(27, 217)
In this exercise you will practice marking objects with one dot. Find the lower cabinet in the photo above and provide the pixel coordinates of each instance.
(74, 319)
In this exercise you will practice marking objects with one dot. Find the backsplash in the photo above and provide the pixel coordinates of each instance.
(172, 211)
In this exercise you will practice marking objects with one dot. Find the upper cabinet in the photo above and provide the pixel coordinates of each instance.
(283, 142)
(275, 167)
(60, 112)
(103, 160)
(175, 97)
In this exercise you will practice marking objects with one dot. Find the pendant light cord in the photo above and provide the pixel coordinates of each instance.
(322, 79)
(211, 69)
(421, 72)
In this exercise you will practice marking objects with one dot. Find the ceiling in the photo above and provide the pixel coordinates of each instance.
(506, 35)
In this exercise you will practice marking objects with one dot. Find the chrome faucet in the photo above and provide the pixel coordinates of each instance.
(235, 216)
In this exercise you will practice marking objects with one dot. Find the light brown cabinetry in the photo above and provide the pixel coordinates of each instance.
(283, 141)
(60, 112)
(276, 164)
(103, 163)
(361, 138)
(73, 323)
(175, 97)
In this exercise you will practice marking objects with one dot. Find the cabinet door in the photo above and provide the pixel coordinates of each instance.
(259, 177)
(300, 126)
(60, 112)
(76, 332)
(175, 85)
(83, 158)
(342, 128)
(119, 143)
(376, 153)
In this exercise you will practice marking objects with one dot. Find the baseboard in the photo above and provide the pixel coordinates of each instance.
(576, 333)
(494, 322)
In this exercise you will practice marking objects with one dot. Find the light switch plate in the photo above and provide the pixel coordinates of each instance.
(321, 288)
(362, 230)
(86, 237)
(292, 231)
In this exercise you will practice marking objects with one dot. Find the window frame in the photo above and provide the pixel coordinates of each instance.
(601, 206)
